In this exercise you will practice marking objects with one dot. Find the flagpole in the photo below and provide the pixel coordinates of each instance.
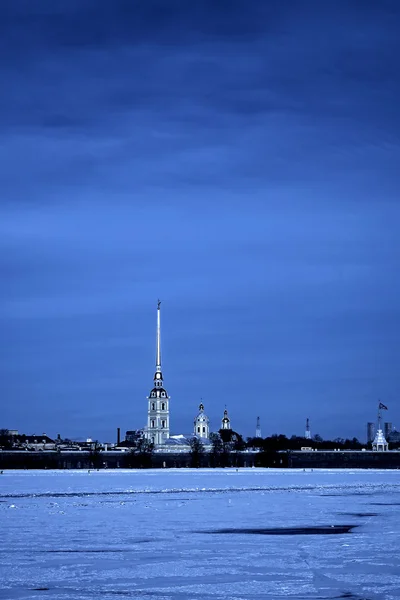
(379, 415)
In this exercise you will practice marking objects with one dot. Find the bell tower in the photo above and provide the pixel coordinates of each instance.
(225, 422)
(157, 430)
(202, 424)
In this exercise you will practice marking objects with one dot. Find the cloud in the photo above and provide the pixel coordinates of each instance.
(238, 160)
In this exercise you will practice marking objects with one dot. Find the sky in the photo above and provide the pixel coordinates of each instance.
(237, 159)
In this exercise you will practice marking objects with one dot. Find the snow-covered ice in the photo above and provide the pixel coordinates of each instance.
(200, 534)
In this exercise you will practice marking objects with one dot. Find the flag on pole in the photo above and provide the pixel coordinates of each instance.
(382, 406)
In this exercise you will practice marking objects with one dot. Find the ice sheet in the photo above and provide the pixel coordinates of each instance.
(201, 534)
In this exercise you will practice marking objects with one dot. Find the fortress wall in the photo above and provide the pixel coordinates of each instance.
(115, 460)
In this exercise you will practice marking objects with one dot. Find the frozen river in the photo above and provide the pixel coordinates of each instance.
(200, 534)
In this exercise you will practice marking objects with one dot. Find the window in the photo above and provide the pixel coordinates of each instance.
(198, 430)
(163, 406)
(162, 423)
(163, 394)
(152, 423)
(204, 429)
(153, 406)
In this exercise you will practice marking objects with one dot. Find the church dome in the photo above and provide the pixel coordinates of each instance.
(201, 415)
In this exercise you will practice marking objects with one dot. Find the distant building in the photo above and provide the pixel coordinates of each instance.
(380, 444)
(394, 438)
(370, 432)
(157, 429)
(34, 442)
(307, 434)
(387, 428)
(225, 422)
(258, 428)
(202, 424)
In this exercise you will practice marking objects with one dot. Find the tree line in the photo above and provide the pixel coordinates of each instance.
(225, 446)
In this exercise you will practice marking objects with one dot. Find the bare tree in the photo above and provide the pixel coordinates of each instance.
(217, 449)
(6, 440)
(95, 451)
(140, 454)
(196, 452)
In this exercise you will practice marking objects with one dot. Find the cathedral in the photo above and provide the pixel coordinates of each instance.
(157, 429)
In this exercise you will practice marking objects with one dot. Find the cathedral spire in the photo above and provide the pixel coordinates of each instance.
(157, 430)
(158, 341)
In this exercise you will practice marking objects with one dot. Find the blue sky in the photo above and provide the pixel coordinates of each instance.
(239, 161)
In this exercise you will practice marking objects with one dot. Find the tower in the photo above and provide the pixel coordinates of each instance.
(370, 431)
(225, 422)
(157, 430)
(307, 434)
(258, 428)
(387, 428)
(202, 424)
(380, 444)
